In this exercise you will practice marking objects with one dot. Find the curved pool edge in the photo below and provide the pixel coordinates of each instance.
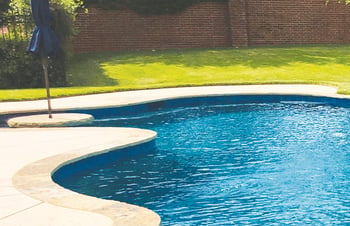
(35, 180)
(135, 97)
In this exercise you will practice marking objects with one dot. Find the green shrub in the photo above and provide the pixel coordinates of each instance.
(19, 69)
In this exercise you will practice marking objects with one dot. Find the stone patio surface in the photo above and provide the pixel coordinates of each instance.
(29, 197)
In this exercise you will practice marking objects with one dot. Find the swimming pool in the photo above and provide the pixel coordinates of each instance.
(229, 160)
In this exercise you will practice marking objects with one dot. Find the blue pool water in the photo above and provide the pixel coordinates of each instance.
(278, 163)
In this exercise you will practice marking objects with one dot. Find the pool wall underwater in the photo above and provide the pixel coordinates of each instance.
(127, 111)
(100, 160)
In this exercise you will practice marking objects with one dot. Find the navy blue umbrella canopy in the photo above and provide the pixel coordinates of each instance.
(44, 42)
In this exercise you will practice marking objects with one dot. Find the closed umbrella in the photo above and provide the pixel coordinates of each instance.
(44, 43)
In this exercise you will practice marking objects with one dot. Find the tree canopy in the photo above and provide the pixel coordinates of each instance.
(70, 6)
(339, 1)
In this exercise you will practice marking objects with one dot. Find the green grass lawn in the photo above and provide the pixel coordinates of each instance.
(106, 72)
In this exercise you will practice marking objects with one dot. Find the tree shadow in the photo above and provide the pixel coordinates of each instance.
(86, 70)
(250, 57)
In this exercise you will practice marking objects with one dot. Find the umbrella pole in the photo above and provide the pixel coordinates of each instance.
(45, 64)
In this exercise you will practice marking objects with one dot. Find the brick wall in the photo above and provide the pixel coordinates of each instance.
(201, 26)
(216, 24)
(297, 22)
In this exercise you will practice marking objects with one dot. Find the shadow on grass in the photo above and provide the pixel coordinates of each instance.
(86, 70)
(252, 57)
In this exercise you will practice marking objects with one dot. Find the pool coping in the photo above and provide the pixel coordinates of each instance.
(126, 98)
(32, 176)
(35, 180)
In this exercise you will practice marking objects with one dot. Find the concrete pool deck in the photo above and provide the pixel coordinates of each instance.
(28, 196)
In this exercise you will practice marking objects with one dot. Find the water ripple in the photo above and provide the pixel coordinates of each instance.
(268, 164)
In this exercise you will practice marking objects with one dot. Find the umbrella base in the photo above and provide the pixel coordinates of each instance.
(58, 120)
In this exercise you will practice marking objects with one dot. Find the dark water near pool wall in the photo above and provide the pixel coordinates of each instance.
(236, 164)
